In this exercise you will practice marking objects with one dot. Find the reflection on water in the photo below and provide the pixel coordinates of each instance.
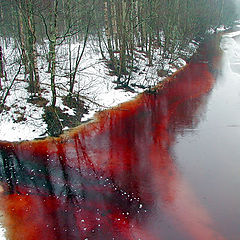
(116, 178)
(212, 166)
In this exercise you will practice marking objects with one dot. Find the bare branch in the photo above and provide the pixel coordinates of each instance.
(10, 86)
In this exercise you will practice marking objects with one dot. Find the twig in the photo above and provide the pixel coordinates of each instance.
(9, 88)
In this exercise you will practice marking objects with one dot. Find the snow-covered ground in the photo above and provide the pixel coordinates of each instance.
(2, 231)
(102, 91)
(22, 120)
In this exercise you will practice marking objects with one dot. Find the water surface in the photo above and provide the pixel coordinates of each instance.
(208, 154)
(164, 166)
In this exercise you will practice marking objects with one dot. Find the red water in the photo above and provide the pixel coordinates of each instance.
(118, 177)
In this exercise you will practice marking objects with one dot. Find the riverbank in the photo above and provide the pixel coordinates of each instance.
(88, 166)
(23, 118)
(212, 66)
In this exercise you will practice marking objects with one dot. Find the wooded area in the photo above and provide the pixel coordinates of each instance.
(123, 29)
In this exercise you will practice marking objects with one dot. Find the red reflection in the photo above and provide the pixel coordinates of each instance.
(113, 178)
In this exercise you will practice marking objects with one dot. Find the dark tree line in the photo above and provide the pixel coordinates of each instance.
(168, 25)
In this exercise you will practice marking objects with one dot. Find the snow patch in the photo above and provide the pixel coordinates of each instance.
(22, 120)
(2, 233)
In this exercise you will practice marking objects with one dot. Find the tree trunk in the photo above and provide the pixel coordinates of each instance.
(53, 72)
(107, 17)
(52, 51)
(1, 67)
(22, 37)
(28, 44)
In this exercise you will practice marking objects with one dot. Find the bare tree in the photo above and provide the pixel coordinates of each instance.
(28, 38)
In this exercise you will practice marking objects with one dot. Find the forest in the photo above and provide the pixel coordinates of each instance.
(49, 40)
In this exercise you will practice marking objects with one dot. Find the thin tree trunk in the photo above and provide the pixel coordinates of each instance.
(1, 67)
(107, 16)
(22, 37)
(79, 56)
(31, 48)
(78, 60)
(10, 86)
(52, 52)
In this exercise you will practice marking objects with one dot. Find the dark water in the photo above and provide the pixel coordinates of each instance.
(164, 166)
(208, 155)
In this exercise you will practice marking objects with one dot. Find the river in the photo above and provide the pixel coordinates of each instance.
(163, 166)
(208, 154)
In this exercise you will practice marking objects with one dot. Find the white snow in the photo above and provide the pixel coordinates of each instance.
(2, 232)
(94, 83)
(232, 34)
